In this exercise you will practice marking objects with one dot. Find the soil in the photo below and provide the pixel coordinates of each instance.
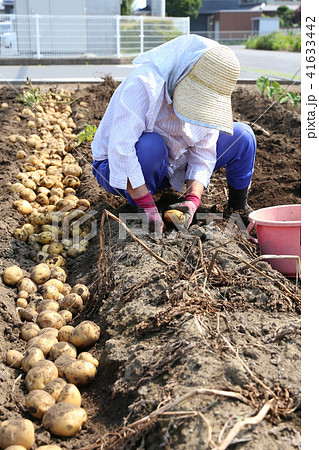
(166, 328)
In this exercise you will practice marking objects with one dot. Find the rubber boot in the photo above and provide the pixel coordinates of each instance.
(237, 203)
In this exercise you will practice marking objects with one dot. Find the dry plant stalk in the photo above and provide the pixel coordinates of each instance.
(212, 263)
(139, 425)
(161, 260)
(255, 420)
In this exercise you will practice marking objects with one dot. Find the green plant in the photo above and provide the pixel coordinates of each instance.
(276, 41)
(294, 98)
(87, 134)
(273, 89)
(262, 84)
(31, 95)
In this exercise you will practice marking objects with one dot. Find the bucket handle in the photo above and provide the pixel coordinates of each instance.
(248, 230)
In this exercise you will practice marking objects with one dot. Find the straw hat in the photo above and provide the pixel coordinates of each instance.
(203, 96)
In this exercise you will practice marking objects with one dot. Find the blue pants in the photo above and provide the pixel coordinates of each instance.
(236, 153)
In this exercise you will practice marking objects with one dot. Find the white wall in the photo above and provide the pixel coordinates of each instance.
(49, 7)
(268, 24)
(103, 7)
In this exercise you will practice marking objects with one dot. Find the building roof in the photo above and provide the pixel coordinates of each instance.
(210, 6)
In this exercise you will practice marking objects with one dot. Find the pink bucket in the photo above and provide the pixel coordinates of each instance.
(278, 231)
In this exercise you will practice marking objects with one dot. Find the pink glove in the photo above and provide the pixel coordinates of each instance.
(188, 208)
(148, 205)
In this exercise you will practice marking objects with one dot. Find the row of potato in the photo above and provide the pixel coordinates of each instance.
(55, 361)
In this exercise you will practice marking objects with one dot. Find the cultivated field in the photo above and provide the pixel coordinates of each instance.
(193, 337)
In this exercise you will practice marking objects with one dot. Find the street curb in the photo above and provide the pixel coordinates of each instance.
(64, 61)
(100, 80)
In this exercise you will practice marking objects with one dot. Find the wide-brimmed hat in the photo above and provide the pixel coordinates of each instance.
(203, 96)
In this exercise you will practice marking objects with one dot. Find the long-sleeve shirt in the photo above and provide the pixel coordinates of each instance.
(142, 104)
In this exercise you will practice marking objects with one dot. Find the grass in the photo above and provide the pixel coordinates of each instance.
(276, 41)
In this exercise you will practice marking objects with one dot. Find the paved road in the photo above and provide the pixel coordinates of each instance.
(254, 63)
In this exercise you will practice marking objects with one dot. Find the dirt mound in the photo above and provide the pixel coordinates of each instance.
(192, 339)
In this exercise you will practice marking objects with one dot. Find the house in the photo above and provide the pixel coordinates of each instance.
(8, 6)
(232, 18)
(200, 25)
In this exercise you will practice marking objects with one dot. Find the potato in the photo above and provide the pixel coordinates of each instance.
(55, 260)
(35, 176)
(81, 290)
(21, 154)
(59, 274)
(56, 248)
(49, 331)
(41, 256)
(55, 386)
(50, 292)
(22, 302)
(46, 237)
(25, 284)
(29, 184)
(56, 283)
(65, 205)
(65, 332)
(23, 206)
(84, 204)
(48, 305)
(80, 372)
(85, 334)
(72, 169)
(20, 234)
(29, 314)
(34, 298)
(17, 432)
(57, 192)
(12, 275)
(28, 194)
(40, 375)
(64, 419)
(62, 348)
(23, 294)
(38, 402)
(47, 181)
(31, 357)
(29, 228)
(40, 273)
(17, 187)
(29, 167)
(72, 302)
(69, 190)
(50, 319)
(66, 289)
(62, 362)
(43, 342)
(14, 358)
(70, 394)
(31, 142)
(86, 356)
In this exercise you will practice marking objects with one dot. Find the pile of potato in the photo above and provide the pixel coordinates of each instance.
(54, 361)
(48, 184)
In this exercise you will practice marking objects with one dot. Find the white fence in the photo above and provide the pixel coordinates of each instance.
(35, 36)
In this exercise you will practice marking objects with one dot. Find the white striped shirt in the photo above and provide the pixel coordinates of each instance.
(141, 104)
